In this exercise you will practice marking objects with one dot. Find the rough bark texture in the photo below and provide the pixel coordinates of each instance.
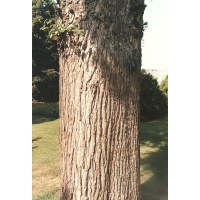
(99, 100)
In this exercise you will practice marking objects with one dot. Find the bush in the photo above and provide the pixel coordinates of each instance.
(45, 88)
(153, 103)
(45, 109)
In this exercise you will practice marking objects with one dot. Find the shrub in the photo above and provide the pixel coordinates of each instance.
(45, 109)
(153, 103)
(46, 87)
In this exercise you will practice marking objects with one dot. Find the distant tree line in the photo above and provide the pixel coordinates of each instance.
(45, 68)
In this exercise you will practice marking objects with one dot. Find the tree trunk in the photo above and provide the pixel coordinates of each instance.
(99, 100)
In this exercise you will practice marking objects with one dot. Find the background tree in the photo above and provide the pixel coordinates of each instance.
(164, 86)
(153, 103)
(99, 99)
(46, 86)
(44, 52)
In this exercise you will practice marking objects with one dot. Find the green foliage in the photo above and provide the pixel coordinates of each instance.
(45, 109)
(164, 86)
(44, 54)
(153, 103)
(46, 86)
(45, 30)
(56, 29)
(44, 50)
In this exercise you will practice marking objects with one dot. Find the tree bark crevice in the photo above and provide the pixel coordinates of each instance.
(99, 104)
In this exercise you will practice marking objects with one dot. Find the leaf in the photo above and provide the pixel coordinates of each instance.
(44, 28)
(62, 30)
(49, 21)
(70, 27)
(56, 5)
(78, 31)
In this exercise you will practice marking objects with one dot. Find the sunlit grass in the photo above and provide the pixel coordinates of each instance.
(45, 155)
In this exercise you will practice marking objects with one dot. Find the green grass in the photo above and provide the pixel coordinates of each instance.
(51, 195)
(45, 159)
(154, 159)
(45, 155)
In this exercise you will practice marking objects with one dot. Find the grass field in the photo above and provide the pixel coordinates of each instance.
(45, 159)
(45, 156)
(154, 159)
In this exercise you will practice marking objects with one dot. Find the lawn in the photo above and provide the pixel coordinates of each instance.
(45, 159)
(154, 159)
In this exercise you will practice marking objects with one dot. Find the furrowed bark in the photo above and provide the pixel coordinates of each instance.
(99, 100)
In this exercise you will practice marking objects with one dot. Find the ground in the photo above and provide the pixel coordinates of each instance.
(153, 159)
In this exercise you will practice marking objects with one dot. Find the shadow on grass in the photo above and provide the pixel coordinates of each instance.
(41, 119)
(34, 140)
(51, 195)
(156, 188)
(154, 134)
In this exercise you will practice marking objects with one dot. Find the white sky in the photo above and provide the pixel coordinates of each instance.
(154, 51)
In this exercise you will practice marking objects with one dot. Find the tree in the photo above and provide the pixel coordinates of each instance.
(44, 53)
(164, 86)
(99, 99)
(153, 103)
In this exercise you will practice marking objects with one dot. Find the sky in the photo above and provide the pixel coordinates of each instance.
(154, 47)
